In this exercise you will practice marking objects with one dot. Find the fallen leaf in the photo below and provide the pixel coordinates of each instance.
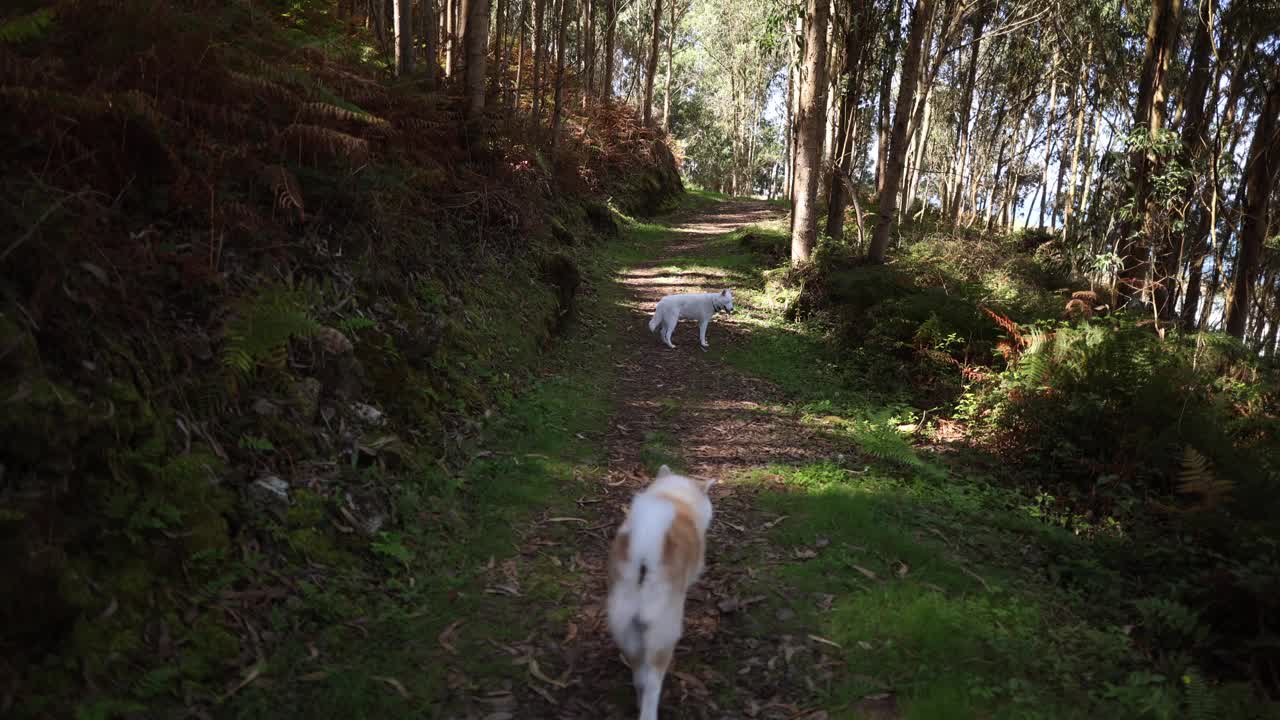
(824, 641)
(772, 523)
(399, 686)
(314, 676)
(536, 671)
(249, 677)
(571, 634)
(864, 644)
(903, 569)
(567, 519)
(447, 636)
(691, 680)
(870, 575)
(822, 542)
(312, 651)
(804, 554)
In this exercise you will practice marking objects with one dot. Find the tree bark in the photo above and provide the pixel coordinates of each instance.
(809, 138)
(921, 18)
(1259, 175)
(476, 42)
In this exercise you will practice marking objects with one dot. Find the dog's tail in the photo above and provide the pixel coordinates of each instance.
(653, 321)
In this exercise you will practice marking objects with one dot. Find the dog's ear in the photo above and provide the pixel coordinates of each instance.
(724, 293)
(664, 471)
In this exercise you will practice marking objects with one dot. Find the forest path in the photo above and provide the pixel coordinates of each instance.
(743, 653)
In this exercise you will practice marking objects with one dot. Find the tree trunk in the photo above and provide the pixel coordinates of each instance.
(962, 121)
(403, 24)
(1195, 141)
(450, 36)
(1049, 137)
(589, 49)
(520, 52)
(840, 181)
(666, 94)
(500, 50)
(1148, 117)
(539, 60)
(921, 18)
(811, 124)
(887, 63)
(917, 160)
(1081, 103)
(476, 42)
(1259, 175)
(610, 34)
(651, 66)
(431, 41)
(557, 112)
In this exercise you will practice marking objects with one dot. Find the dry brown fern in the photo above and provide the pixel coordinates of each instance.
(263, 89)
(1008, 326)
(324, 111)
(314, 142)
(286, 189)
(1197, 478)
(1077, 308)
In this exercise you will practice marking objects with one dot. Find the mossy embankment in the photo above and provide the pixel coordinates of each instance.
(253, 296)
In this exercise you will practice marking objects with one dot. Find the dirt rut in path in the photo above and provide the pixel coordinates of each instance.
(714, 422)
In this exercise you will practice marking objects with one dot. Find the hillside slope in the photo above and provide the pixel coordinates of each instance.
(251, 293)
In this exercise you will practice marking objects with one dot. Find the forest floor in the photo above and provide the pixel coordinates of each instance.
(838, 584)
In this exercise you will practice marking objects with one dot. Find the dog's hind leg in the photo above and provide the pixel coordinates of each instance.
(668, 327)
(648, 679)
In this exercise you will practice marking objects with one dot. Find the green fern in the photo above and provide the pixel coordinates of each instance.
(31, 26)
(882, 441)
(160, 681)
(260, 333)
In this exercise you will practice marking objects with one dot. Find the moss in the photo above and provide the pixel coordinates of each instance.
(306, 511)
(207, 647)
(314, 545)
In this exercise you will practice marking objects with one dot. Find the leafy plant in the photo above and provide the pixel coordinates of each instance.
(31, 26)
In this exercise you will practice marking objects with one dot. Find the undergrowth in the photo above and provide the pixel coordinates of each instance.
(1124, 478)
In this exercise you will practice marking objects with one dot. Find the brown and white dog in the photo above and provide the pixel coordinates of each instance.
(658, 554)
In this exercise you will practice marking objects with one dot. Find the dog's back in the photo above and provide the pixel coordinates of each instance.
(657, 555)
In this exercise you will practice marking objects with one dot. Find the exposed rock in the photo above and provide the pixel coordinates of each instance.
(265, 408)
(367, 415)
(333, 342)
(367, 509)
(271, 493)
(563, 274)
(601, 218)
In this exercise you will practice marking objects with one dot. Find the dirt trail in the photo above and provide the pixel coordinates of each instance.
(718, 422)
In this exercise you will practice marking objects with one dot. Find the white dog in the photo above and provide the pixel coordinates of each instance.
(658, 554)
(695, 306)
